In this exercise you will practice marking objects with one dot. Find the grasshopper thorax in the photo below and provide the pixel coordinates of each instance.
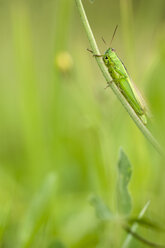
(108, 55)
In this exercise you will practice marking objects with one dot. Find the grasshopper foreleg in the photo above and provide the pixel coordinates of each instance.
(108, 84)
(94, 55)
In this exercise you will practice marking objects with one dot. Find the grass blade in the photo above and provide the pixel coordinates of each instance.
(134, 226)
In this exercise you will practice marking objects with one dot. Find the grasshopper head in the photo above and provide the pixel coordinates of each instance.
(107, 56)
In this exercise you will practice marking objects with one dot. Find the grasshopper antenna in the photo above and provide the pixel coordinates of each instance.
(113, 34)
(103, 40)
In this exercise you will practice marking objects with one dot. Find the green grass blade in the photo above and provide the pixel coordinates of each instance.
(34, 217)
(134, 226)
(56, 244)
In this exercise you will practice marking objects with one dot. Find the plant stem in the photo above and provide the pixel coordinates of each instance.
(140, 238)
(112, 85)
(134, 227)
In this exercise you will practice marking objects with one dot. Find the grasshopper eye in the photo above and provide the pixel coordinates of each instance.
(106, 57)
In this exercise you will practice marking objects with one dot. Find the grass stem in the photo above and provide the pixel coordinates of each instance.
(113, 86)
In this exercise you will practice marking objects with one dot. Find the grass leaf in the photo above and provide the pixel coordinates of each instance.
(124, 175)
(102, 211)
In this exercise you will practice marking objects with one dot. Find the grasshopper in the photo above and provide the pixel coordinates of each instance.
(120, 77)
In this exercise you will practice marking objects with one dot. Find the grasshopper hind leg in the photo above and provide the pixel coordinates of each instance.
(143, 118)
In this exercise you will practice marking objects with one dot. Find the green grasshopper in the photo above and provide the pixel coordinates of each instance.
(121, 78)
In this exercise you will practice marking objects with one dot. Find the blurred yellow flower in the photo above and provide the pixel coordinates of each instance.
(64, 61)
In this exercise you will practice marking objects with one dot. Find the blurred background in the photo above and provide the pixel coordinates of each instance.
(60, 130)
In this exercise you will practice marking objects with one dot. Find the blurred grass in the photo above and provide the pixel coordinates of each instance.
(67, 122)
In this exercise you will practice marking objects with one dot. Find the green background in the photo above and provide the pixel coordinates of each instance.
(60, 130)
